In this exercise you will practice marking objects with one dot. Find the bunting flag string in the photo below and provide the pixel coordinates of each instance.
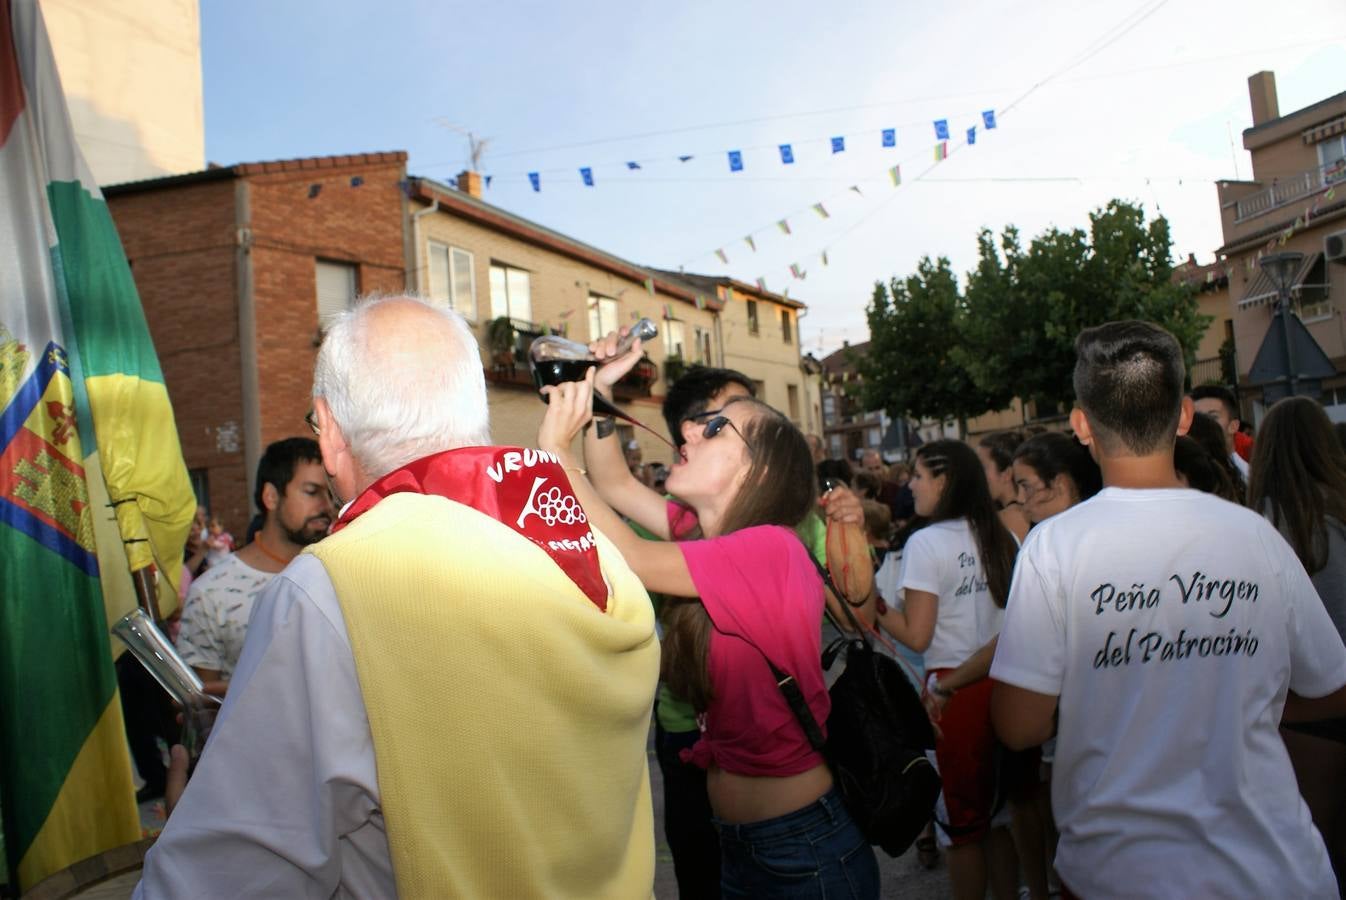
(942, 151)
(736, 158)
(721, 254)
(1300, 221)
(649, 286)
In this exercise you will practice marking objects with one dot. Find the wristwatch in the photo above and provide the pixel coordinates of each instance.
(605, 427)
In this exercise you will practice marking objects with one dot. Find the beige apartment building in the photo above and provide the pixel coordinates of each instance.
(494, 267)
(1295, 201)
(759, 333)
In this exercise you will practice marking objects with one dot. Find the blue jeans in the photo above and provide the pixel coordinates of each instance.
(814, 852)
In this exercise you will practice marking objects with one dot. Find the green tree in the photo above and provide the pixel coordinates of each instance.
(1024, 309)
(910, 368)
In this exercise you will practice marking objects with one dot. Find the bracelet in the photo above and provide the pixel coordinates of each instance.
(605, 427)
(584, 472)
(933, 686)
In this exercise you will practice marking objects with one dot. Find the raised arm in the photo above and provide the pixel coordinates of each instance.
(607, 470)
(658, 564)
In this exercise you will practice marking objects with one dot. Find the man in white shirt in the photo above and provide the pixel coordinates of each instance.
(1173, 632)
(1218, 403)
(296, 508)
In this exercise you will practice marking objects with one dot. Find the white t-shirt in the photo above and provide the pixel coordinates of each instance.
(1170, 624)
(215, 619)
(941, 559)
(1241, 464)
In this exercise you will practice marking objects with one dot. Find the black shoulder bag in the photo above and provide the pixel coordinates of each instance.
(878, 732)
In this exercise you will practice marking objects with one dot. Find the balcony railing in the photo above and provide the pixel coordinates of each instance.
(1287, 190)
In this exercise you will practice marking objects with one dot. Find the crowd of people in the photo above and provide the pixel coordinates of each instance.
(1128, 636)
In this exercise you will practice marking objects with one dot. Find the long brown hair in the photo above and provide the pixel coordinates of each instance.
(1299, 472)
(778, 489)
(967, 496)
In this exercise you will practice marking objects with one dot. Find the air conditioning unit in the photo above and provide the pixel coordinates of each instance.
(1334, 247)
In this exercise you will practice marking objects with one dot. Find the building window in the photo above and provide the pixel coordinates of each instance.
(759, 390)
(336, 289)
(1314, 303)
(675, 339)
(602, 316)
(452, 281)
(200, 479)
(829, 410)
(701, 338)
(1332, 159)
(511, 294)
(752, 317)
(785, 325)
(873, 437)
(792, 395)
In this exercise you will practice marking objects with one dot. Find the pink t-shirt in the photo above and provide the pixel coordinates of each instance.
(759, 585)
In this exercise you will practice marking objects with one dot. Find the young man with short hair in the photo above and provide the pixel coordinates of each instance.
(296, 510)
(1218, 403)
(1172, 632)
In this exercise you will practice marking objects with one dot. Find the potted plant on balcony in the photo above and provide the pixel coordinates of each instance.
(673, 369)
(500, 342)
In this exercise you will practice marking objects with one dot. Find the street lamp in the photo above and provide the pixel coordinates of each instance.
(1281, 268)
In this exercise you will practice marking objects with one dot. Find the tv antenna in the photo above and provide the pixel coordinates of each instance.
(476, 147)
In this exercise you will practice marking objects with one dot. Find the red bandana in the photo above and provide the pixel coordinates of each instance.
(525, 489)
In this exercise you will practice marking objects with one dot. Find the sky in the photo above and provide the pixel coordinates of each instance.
(1143, 100)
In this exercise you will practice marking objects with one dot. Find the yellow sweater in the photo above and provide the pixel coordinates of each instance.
(509, 714)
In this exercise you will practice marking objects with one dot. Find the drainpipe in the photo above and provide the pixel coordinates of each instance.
(416, 236)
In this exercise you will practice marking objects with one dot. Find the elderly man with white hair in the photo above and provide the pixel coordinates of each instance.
(450, 695)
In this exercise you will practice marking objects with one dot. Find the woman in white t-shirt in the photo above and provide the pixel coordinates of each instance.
(1298, 481)
(955, 578)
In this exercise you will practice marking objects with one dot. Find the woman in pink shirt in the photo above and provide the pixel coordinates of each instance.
(746, 476)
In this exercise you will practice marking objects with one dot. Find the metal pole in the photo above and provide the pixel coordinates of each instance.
(1293, 369)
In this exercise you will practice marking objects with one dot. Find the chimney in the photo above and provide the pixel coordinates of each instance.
(1262, 93)
(470, 182)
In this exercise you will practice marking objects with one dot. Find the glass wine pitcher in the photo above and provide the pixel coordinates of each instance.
(554, 360)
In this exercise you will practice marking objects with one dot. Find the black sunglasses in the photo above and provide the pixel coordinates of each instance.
(716, 425)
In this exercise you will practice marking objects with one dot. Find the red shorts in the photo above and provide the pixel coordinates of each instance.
(966, 756)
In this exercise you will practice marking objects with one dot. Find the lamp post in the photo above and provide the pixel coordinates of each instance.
(1281, 269)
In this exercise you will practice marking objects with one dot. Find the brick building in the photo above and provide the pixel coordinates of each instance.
(226, 261)
(1296, 201)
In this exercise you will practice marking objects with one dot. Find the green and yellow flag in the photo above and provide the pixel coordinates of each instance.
(85, 429)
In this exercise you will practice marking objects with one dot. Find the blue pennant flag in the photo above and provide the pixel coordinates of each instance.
(890, 137)
(588, 175)
(683, 158)
(633, 165)
(988, 119)
(488, 180)
(787, 155)
(535, 180)
(735, 160)
(972, 135)
(941, 129)
(838, 145)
